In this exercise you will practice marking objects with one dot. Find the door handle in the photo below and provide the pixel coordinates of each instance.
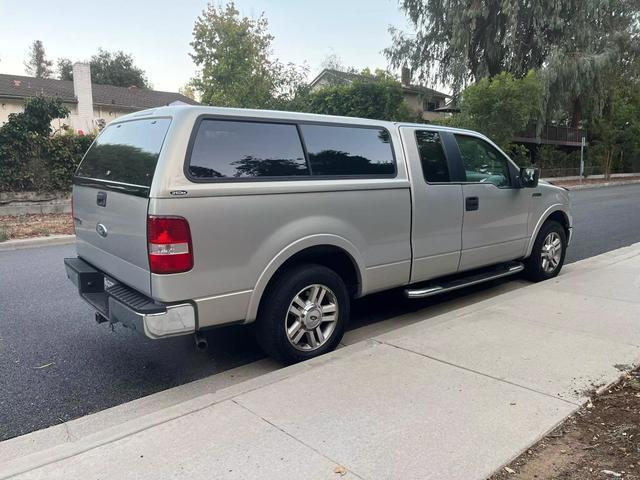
(471, 203)
(101, 199)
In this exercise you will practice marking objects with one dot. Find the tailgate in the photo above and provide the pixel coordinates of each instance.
(113, 238)
(111, 199)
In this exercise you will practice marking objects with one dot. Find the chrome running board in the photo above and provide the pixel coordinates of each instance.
(432, 289)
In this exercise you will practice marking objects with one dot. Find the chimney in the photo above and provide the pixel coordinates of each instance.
(83, 92)
(405, 77)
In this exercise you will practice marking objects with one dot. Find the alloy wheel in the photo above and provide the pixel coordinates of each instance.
(311, 317)
(551, 252)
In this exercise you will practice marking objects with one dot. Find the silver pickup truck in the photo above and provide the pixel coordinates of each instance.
(189, 218)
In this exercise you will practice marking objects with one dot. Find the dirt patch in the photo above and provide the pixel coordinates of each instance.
(600, 441)
(27, 226)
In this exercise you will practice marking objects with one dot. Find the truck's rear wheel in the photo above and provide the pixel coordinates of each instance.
(304, 314)
(547, 255)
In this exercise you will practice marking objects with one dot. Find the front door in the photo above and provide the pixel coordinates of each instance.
(495, 222)
(436, 203)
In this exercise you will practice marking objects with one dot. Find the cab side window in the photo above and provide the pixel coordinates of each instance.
(482, 162)
(434, 162)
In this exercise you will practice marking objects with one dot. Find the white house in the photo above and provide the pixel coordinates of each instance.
(91, 105)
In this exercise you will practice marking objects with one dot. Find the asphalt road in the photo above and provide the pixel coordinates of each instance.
(604, 219)
(56, 364)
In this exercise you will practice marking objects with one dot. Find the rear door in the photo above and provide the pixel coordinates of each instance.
(436, 201)
(111, 199)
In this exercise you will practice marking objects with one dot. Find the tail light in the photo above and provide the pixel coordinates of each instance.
(169, 241)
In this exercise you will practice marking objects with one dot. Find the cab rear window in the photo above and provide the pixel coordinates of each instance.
(126, 152)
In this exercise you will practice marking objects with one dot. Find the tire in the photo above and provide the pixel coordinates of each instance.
(536, 268)
(290, 299)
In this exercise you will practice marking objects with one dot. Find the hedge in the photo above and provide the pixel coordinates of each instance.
(37, 163)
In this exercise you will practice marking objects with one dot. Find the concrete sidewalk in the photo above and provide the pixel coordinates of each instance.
(455, 396)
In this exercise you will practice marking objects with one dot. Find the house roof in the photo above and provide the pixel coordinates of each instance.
(17, 86)
(348, 77)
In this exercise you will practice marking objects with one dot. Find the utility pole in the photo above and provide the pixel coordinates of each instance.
(584, 141)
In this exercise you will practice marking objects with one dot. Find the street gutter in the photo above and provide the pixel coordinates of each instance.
(586, 186)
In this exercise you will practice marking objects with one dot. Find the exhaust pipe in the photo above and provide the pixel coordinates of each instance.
(201, 342)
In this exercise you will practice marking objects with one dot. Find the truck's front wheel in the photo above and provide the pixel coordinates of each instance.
(304, 313)
(547, 255)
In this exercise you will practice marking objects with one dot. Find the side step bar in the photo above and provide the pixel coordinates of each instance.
(430, 290)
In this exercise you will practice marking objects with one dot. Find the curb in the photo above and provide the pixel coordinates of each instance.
(36, 242)
(597, 185)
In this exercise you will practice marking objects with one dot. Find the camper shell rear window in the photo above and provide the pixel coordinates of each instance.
(125, 153)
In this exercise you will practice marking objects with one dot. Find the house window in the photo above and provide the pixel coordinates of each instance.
(431, 105)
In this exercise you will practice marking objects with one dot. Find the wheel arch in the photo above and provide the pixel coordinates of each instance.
(555, 212)
(331, 251)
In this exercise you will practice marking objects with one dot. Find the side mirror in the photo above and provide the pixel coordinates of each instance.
(529, 177)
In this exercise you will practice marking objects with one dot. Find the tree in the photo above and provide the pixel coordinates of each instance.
(22, 140)
(460, 41)
(37, 64)
(188, 91)
(596, 53)
(117, 69)
(65, 69)
(500, 107)
(36, 118)
(616, 134)
(378, 97)
(236, 68)
(108, 68)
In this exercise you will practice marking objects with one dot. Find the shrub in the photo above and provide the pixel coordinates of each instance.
(379, 97)
(500, 106)
(64, 153)
(37, 163)
(555, 162)
(32, 159)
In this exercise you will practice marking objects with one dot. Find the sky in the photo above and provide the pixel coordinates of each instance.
(157, 33)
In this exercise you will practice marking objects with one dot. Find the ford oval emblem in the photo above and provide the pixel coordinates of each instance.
(101, 229)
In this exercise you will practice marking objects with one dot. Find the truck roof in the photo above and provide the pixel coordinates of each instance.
(197, 110)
